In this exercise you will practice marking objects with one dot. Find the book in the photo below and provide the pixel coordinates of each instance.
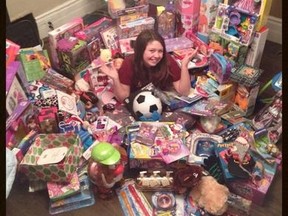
(83, 199)
(59, 190)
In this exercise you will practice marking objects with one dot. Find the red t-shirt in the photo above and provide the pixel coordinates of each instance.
(126, 71)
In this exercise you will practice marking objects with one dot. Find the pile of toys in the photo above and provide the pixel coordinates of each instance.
(201, 154)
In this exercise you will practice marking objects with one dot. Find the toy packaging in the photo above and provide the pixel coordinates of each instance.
(254, 54)
(177, 43)
(234, 51)
(262, 8)
(92, 31)
(234, 24)
(73, 55)
(207, 16)
(189, 13)
(35, 63)
(12, 50)
(133, 28)
(133, 13)
(57, 81)
(65, 31)
(220, 68)
(14, 87)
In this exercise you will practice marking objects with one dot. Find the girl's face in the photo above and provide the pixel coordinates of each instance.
(153, 54)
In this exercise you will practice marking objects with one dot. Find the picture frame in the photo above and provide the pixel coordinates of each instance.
(110, 38)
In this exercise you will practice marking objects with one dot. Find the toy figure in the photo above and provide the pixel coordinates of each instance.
(90, 100)
(203, 21)
(105, 168)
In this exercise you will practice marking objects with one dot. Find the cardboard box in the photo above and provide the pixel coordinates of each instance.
(56, 172)
(255, 51)
(20, 122)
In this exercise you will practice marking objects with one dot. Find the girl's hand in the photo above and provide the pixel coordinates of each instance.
(188, 57)
(109, 70)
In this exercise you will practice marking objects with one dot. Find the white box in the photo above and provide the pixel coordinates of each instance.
(255, 51)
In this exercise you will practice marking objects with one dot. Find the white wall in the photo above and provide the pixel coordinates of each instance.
(20, 8)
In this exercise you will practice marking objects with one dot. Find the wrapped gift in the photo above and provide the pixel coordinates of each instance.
(52, 169)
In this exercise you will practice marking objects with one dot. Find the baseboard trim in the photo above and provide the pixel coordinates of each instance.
(275, 29)
(64, 13)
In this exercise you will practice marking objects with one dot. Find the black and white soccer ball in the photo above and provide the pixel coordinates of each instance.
(146, 105)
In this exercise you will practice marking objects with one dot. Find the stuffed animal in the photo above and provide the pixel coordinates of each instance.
(105, 55)
(210, 195)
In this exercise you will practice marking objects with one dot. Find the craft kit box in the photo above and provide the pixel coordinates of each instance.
(52, 170)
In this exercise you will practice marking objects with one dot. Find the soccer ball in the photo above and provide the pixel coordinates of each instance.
(145, 104)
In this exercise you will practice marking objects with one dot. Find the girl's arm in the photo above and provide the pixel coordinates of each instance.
(183, 85)
(120, 90)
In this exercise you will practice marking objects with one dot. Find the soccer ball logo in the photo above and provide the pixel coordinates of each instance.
(145, 104)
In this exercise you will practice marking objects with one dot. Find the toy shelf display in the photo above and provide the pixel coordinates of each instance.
(69, 135)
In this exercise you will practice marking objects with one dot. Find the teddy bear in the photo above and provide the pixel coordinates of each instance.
(210, 195)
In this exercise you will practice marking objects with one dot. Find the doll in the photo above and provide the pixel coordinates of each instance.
(105, 168)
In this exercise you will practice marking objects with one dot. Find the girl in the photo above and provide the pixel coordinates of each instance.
(150, 63)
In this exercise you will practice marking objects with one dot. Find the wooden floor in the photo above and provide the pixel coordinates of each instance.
(22, 203)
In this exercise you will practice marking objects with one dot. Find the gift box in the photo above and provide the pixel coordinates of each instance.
(57, 172)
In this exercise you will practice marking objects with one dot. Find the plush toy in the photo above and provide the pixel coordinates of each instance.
(210, 195)
(105, 55)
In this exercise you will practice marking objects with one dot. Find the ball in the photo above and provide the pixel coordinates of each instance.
(145, 104)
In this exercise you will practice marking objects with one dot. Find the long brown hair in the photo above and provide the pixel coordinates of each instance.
(158, 75)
